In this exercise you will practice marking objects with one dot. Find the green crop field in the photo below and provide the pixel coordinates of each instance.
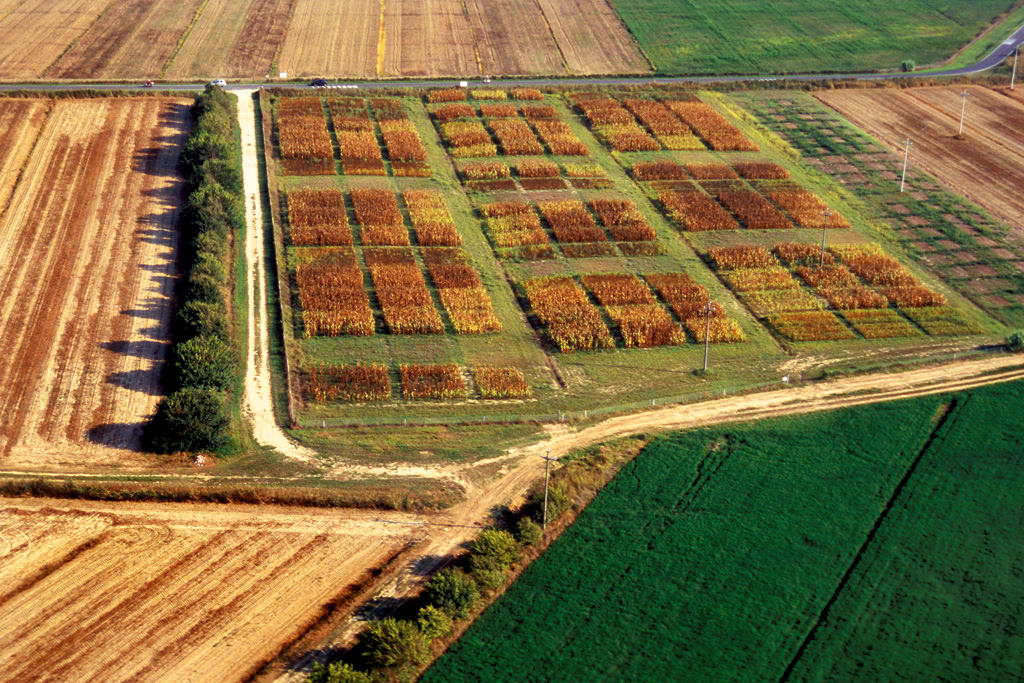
(786, 548)
(750, 37)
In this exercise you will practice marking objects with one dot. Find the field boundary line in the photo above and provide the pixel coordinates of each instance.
(949, 411)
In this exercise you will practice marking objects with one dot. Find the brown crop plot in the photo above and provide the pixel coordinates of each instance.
(20, 121)
(87, 254)
(172, 592)
(987, 165)
(36, 32)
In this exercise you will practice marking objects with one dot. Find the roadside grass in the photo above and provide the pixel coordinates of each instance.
(979, 48)
(751, 37)
(873, 541)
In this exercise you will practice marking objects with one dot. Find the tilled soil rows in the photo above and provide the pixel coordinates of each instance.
(87, 272)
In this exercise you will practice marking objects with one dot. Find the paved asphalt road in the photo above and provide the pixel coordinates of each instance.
(991, 60)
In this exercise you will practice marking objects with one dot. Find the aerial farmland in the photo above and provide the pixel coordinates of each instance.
(391, 340)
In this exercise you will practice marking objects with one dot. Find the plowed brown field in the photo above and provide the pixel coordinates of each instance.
(20, 121)
(987, 164)
(87, 269)
(114, 592)
(368, 38)
(34, 33)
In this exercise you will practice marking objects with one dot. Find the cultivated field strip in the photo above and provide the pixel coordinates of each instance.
(131, 38)
(171, 592)
(86, 275)
(37, 32)
(233, 39)
(987, 165)
(342, 43)
(20, 121)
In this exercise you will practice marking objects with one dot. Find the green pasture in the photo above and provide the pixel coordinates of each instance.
(802, 36)
(878, 543)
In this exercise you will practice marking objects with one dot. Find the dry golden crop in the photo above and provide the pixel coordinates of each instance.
(941, 320)
(766, 302)
(559, 138)
(402, 141)
(711, 171)
(432, 381)
(463, 296)
(527, 94)
(513, 224)
(303, 138)
(810, 326)
(498, 383)
(695, 211)
(748, 279)
(588, 250)
(881, 323)
(912, 296)
(326, 382)
(349, 113)
(331, 294)
(571, 222)
(446, 95)
(536, 168)
(645, 325)
(614, 123)
(753, 210)
(741, 256)
(450, 112)
(684, 296)
(584, 170)
(430, 218)
(318, 217)
(468, 139)
(722, 330)
(807, 210)
(488, 94)
(402, 293)
(761, 170)
(360, 153)
(659, 170)
(571, 321)
(874, 265)
(623, 220)
(533, 112)
(617, 289)
(713, 129)
(799, 254)
(515, 137)
(663, 124)
(486, 170)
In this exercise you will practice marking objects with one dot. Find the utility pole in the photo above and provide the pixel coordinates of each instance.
(1013, 77)
(963, 110)
(547, 467)
(826, 213)
(707, 333)
(906, 158)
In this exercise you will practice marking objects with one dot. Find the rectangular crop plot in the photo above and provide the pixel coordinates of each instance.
(87, 272)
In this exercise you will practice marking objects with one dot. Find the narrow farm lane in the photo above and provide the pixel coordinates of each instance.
(257, 403)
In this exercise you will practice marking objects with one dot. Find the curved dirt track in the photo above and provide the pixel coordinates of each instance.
(257, 403)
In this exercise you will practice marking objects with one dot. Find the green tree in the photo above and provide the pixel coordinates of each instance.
(433, 622)
(204, 362)
(394, 643)
(190, 419)
(1016, 341)
(338, 672)
(453, 592)
(558, 501)
(493, 550)
(528, 531)
(203, 319)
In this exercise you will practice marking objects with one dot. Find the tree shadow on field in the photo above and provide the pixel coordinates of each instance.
(423, 566)
(153, 350)
(152, 309)
(125, 436)
(138, 380)
(378, 608)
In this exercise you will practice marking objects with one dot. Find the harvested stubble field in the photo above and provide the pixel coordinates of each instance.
(159, 592)
(87, 269)
(368, 38)
(986, 165)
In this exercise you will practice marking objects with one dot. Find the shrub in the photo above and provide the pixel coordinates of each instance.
(203, 319)
(558, 500)
(453, 592)
(1016, 341)
(338, 672)
(528, 531)
(209, 263)
(204, 362)
(908, 65)
(489, 579)
(190, 419)
(203, 287)
(493, 549)
(393, 643)
(433, 623)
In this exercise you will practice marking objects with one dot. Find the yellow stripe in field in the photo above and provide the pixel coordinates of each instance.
(382, 40)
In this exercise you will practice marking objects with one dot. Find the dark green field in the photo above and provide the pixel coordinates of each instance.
(748, 36)
(788, 548)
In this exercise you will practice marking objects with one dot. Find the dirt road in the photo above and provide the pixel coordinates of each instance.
(257, 403)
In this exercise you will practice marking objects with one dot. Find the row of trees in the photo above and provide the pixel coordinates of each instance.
(204, 363)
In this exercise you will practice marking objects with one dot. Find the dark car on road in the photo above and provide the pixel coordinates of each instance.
(318, 83)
